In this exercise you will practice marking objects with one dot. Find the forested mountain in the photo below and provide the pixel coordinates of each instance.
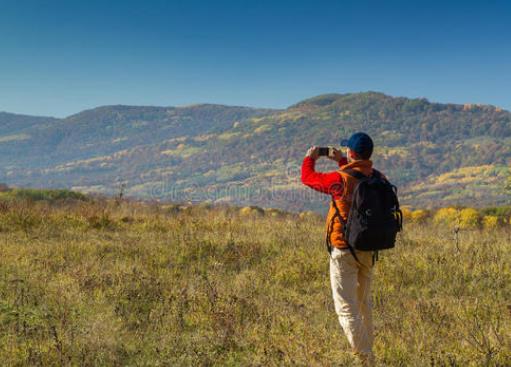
(438, 154)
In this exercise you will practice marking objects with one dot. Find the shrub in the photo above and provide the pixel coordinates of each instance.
(407, 213)
(251, 211)
(502, 212)
(490, 221)
(419, 216)
(274, 213)
(44, 194)
(469, 218)
(446, 216)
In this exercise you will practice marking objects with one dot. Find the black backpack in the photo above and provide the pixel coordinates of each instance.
(374, 218)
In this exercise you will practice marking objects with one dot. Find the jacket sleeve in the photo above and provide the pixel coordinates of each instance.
(328, 183)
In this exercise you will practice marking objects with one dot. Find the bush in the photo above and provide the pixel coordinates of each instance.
(407, 213)
(251, 211)
(490, 221)
(419, 216)
(277, 213)
(43, 194)
(501, 212)
(449, 216)
(469, 218)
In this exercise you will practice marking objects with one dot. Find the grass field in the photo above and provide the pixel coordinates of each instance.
(103, 283)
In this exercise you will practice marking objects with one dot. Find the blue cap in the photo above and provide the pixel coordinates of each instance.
(360, 143)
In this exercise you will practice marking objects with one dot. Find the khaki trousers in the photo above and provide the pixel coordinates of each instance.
(351, 290)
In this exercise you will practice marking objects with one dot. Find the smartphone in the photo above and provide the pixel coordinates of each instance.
(326, 151)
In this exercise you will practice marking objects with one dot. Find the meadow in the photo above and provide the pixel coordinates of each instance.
(105, 282)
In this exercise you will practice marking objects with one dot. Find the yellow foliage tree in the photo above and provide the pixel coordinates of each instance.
(490, 221)
(407, 213)
(274, 212)
(419, 216)
(469, 218)
(446, 216)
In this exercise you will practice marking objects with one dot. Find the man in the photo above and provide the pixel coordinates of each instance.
(350, 277)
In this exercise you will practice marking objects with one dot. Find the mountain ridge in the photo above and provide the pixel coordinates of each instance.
(298, 104)
(162, 152)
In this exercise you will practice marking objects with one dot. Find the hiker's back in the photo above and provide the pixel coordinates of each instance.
(366, 215)
(374, 217)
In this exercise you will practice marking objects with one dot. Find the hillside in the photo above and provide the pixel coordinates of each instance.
(243, 155)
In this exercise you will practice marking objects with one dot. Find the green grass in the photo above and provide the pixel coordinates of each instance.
(101, 283)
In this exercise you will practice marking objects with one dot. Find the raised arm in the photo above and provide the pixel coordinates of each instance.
(328, 183)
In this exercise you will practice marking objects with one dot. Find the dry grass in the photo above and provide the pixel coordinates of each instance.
(102, 283)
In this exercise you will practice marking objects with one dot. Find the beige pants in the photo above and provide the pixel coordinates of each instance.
(351, 289)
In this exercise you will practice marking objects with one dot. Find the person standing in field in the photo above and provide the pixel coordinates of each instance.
(350, 269)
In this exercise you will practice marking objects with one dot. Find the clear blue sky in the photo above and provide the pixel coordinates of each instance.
(60, 57)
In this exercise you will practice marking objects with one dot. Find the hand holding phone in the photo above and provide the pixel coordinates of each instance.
(330, 152)
(324, 151)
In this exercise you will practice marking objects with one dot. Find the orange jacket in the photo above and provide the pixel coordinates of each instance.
(340, 190)
(344, 202)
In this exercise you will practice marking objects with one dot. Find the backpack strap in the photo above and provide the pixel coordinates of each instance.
(360, 176)
(354, 173)
(377, 174)
(338, 214)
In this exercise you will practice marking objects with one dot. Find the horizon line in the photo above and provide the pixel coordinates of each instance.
(188, 105)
